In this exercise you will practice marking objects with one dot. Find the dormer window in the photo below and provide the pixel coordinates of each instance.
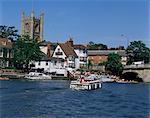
(4, 43)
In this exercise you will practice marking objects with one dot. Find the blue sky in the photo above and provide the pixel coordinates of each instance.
(100, 21)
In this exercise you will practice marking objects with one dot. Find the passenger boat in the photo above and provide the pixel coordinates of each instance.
(86, 83)
(37, 76)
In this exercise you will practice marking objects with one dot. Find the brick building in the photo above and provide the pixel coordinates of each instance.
(6, 52)
(99, 56)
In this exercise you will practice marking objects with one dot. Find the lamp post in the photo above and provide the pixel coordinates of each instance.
(127, 38)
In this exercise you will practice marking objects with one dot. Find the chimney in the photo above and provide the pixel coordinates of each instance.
(49, 50)
(70, 42)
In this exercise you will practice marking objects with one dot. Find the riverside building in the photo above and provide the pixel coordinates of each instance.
(6, 53)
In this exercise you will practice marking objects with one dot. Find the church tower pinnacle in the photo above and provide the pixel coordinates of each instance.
(32, 26)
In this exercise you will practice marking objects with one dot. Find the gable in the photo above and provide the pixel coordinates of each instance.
(59, 53)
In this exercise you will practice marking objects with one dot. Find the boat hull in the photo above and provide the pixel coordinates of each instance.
(37, 76)
(85, 85)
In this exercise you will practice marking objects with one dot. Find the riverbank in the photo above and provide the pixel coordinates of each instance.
(17, 74)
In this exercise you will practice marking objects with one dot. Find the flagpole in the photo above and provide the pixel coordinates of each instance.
(127, 38)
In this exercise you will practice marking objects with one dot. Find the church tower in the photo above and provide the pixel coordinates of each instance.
(32, 26)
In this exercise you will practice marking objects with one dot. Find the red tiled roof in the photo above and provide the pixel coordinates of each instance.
(79, 46)
(68, 50)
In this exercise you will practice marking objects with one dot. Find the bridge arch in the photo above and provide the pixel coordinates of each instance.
(132, 76)
(142, 70)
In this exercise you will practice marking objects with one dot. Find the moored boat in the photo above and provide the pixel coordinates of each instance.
(105, 78)
(4, 78)
(37, 76)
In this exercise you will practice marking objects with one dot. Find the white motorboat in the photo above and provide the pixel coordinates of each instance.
(104, 78)
(89, 83)
(37, 76)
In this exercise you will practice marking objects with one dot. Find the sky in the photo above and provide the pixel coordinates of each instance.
(111, 22)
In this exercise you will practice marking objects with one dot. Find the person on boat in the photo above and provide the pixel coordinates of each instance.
(81, 79)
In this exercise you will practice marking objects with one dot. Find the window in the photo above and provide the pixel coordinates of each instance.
(4, 43)
(71, 58)
(55, 62)
(85, 59)
(82, 65)
(11, 54)
(46, 63)
(81, 58)
(1, 53)
(39, 63)
(62, 64)
(71, 65)
(84, 51)
(58, 53)
(8, 53)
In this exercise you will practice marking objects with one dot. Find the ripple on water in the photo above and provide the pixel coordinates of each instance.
(54, 99)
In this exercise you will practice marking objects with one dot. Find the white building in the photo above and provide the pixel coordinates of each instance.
(81, 51)
(51, 65)
(66, 52)
(75, 56)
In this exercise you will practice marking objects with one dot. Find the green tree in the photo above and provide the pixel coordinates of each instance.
(89, 64)
(113, 64)
(91, 43)
(102, 63)
(25, 51)
(8, 32)
(98, 46)
(137, 51)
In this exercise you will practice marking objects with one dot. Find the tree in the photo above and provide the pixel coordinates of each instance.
(137, 51)
(8, 32)
(113, 64)
(89, 64)
(25, 51)
(102, 63)
(94, 46)
(91, 43)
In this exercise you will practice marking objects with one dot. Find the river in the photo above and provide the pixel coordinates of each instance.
(54, 99)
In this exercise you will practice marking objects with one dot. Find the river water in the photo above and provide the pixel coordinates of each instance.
(54, 99)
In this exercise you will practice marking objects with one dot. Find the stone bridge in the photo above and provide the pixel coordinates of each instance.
(143, 71)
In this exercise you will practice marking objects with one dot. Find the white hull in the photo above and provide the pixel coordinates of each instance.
(38, 76)
(105, 79)
(90, 85)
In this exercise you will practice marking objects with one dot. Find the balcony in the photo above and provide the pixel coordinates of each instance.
(58, 53)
